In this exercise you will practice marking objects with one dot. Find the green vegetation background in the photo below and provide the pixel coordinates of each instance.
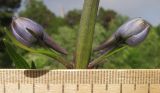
(64, 31)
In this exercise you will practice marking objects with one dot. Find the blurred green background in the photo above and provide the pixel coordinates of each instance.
(64, 30)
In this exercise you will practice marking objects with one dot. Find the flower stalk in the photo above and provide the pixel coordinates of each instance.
(104, 56)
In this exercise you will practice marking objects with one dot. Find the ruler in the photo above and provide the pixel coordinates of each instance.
(80, 81)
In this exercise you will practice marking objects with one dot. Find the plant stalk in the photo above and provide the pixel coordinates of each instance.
(86, 32)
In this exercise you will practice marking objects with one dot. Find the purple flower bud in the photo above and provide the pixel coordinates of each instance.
(134, 31)
(131, 33)
(29, 32)
(22, 27)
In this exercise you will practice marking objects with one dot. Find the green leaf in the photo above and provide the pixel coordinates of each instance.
(16, 58)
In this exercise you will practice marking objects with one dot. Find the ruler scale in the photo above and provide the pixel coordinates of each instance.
(80, 81)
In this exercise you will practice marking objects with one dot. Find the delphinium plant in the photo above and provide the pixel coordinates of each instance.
(26, 33)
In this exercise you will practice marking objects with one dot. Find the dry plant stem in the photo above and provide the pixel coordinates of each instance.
(86, 32)
(103, 57)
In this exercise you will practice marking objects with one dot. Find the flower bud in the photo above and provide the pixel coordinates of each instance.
(134, 31)
(131, 33)
(29, 32)
(24, 28)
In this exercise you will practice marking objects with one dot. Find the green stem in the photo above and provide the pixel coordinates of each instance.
(102, 57)
(50, 54)
(86, 32)
(56, 57)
